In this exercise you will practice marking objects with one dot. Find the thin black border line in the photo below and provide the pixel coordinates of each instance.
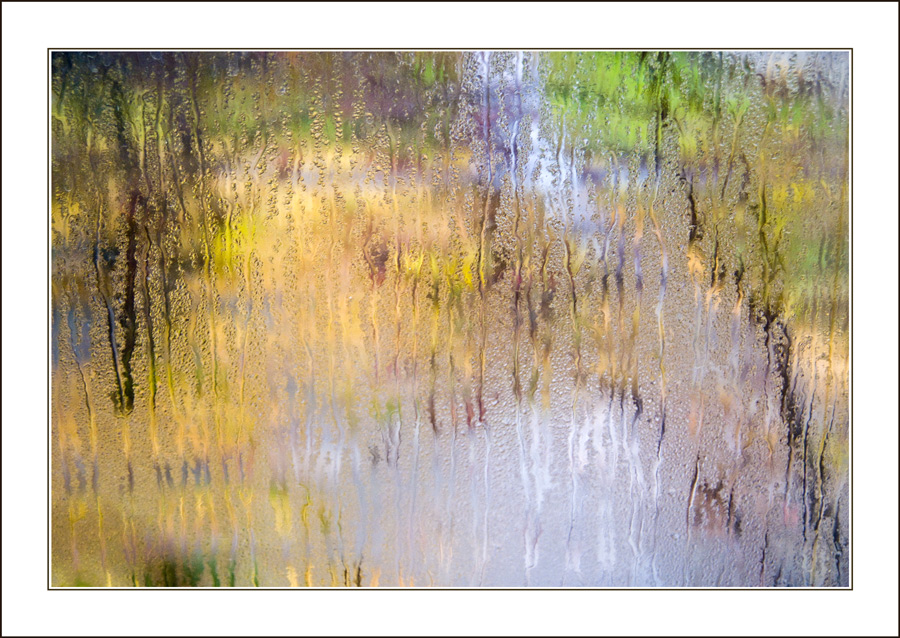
(850, 268)
(436, 49)
(49, 239)
(50, 588)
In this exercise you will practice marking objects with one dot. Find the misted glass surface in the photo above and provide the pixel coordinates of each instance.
(450, 319)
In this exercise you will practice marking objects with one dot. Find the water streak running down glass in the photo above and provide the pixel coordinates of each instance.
(450, 319)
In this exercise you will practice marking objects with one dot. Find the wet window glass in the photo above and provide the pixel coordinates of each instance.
(447, 319)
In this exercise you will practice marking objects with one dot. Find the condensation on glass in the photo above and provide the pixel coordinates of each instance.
(450, 319)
